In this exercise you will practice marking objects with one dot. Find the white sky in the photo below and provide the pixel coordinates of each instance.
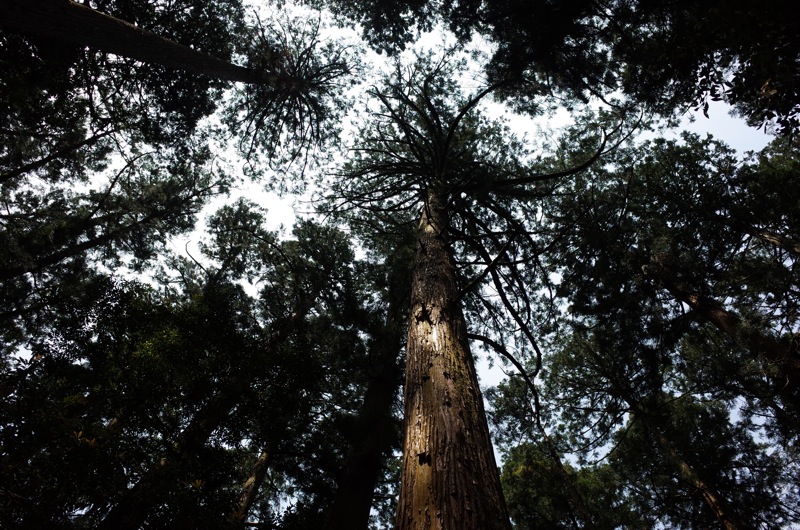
(730, 129)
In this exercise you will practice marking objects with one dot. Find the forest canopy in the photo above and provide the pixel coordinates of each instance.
(171, 358)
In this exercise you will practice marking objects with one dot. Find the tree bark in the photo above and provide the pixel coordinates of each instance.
(786, 243)
(69, 22)
(449, 478)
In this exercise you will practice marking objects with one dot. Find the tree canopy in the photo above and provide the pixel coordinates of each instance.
(638, 290)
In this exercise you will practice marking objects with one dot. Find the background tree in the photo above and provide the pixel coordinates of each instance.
(296, 80)
(688, 206)
(670, 56)
(631, 364)
(178, 390)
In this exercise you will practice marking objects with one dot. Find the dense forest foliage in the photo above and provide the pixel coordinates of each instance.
(640, 290)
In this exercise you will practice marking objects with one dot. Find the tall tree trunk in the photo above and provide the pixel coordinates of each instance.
(375, 435)
(449, 478)
(69, 22)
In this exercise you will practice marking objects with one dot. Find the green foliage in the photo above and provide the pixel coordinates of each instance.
(645, 387)
(538, 497)
(668, 55)
(124, 376)
(298, 106)
(54, 233)
(387, 25)
(577, 264)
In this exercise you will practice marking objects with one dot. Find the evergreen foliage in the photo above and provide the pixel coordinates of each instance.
(641, 293)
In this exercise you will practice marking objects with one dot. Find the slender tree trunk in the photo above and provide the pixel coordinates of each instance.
(251, 487)
(69, 22)
(780, 353)
(450, 479)
(375, 432)
(135, 504)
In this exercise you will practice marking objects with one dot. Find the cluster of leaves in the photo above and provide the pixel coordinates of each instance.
(297, 107)
(670, 378)
(670, 55)
(178, 389)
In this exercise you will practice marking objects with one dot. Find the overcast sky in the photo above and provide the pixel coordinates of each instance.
(730, 129)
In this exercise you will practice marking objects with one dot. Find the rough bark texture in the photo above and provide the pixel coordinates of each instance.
(450, 479)
(75, 24)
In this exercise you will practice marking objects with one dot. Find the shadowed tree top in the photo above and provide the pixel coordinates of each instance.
(154, 70)
(671, 55)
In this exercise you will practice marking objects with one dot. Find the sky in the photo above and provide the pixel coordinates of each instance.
(730, 129)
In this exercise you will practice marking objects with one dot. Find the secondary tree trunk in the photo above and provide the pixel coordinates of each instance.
(375, 434)
(135, 504)
(782, 354)
(250, 488)
(69, 22)
(449, 479)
